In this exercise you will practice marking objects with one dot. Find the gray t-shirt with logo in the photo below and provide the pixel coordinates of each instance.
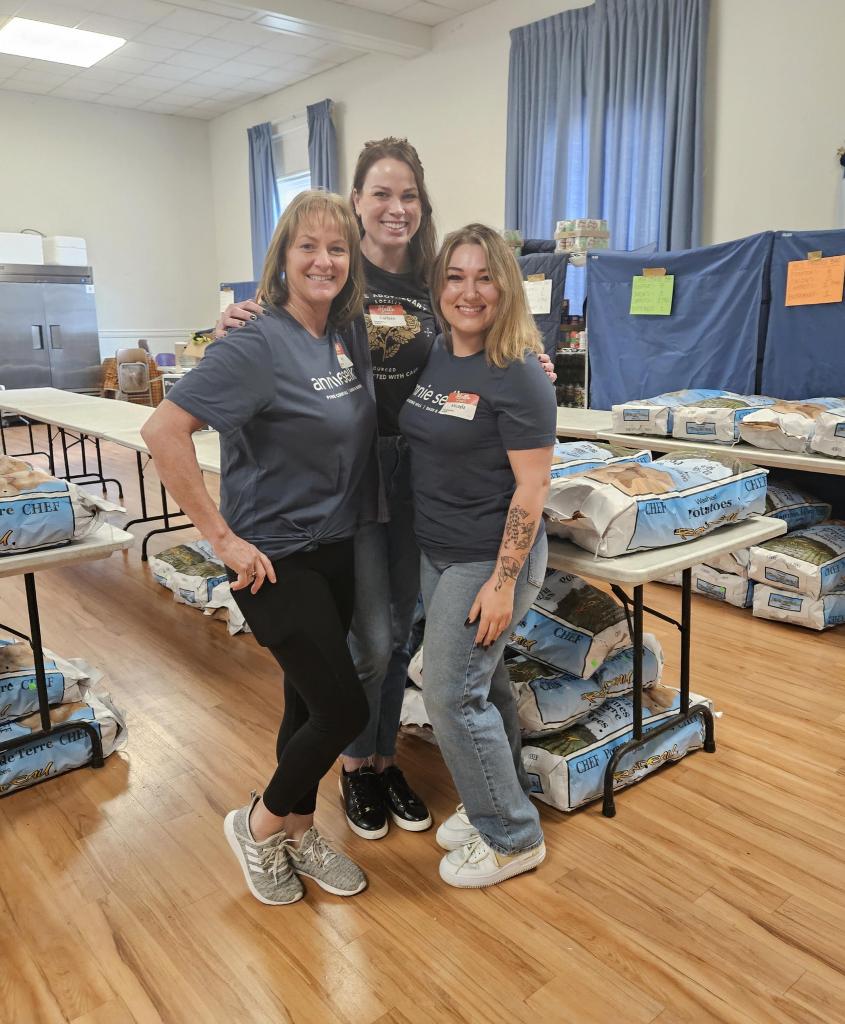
(296, 431)
(461, 420)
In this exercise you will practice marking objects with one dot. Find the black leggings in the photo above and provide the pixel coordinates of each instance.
(303, 619)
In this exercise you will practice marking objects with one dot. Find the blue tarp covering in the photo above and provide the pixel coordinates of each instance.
(552, 265)
(243, 290)
(805, 345)
(710, 340)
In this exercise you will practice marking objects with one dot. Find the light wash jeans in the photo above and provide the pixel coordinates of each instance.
(469, 700)
(387, 584)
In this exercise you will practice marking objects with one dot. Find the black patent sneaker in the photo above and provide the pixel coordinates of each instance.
(363, 801)
(402, 803)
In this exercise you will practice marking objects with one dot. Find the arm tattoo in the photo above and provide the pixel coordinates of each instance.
(519, 529)
(508, 569)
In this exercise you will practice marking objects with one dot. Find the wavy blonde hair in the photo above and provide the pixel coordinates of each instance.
(315, 206)
(514, 332)
(423, 245)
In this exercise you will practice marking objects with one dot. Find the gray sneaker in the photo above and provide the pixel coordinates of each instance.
(335, 872)
(266, 865)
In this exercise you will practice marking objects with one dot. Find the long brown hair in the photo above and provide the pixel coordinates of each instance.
(514, 332)
(315, 205)
(423, 245)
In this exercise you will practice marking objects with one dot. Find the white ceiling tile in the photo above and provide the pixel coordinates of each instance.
(157, 107)
(196, 89)
(156, 36)
(425, 14)
(143, 51)
(110, 100)
(288, 42)
(213, 7)
(241, 68)
(262, 58)
(220, 80)
(336, 53)
(72, 91)
(138, 89)
(9, 7)
(38, 75)
(103, 76)
(53, 11)
(223, 48)
(241, 33)
(117, 62)
(109, 26)
(171, 73)
(380, 6)
(140, 82)
(9, 64)
(461, 6)
(192, 21)
(148, 11)
(197, 61)
(10, 83)
(281, 76)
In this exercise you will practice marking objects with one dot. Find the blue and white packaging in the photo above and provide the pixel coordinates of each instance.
(195, 576)
(656, 415)
(67, 681)
(38, 511)
(567, 768)
(795, 507)
(617, 509)
(708, 581)
(571, 627)
(571, 457)
(787, 426)
(550, 701)
(799, 609)
(829, 436)
(716, 419)
(810, 561)
(53, 755)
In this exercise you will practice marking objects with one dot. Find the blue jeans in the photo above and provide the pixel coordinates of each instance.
(387, 583)
(469, 700)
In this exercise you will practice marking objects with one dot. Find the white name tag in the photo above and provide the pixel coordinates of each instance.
(462, 404)
(387, 316)
(342, 358)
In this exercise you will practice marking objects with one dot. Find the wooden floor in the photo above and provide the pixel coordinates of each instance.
(717, 894)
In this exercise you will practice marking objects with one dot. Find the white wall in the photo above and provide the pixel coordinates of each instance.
(773, 119)
(137, 187)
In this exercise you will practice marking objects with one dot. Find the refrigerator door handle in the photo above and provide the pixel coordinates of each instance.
(37, 338)
(55, 336)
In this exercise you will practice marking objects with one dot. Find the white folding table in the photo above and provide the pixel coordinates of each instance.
(99, 544)
(643, 567)
(585, 423)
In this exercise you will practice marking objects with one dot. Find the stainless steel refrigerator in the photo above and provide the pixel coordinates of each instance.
(48, 328)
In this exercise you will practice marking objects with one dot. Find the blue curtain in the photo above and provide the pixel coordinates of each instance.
(646, 93)
(263, 197)
(322, 147)
(605, 120)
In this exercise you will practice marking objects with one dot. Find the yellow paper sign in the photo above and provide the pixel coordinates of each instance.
(652, 296)
(812, 282)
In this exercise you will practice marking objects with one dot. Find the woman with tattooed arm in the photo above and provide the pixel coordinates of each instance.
(480, 424)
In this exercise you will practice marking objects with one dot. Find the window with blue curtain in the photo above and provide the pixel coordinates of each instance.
(605, 120)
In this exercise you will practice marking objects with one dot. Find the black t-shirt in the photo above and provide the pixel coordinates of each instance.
(401, 329)
(461, 420)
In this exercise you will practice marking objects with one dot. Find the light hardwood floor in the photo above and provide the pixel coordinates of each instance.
(717, 894)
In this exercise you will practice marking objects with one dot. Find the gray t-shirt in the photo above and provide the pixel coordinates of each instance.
(296, 431)
(462, 419)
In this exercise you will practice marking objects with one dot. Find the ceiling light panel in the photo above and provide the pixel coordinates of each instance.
(56, 43)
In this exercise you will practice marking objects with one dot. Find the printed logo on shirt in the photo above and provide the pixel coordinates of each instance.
(389, 329)
(462, 404)
(344, 382)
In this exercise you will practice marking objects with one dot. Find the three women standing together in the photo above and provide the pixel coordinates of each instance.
(317, 521)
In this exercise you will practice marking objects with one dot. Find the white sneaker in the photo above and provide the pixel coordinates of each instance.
(475, 865)
(456, 831)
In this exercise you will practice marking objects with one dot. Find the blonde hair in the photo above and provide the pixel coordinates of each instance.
(315, 206)
(514, 332)
(423, 245)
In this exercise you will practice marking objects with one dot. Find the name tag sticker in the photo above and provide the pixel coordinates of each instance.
(462, 404)
(387, 316)
(342, 358)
